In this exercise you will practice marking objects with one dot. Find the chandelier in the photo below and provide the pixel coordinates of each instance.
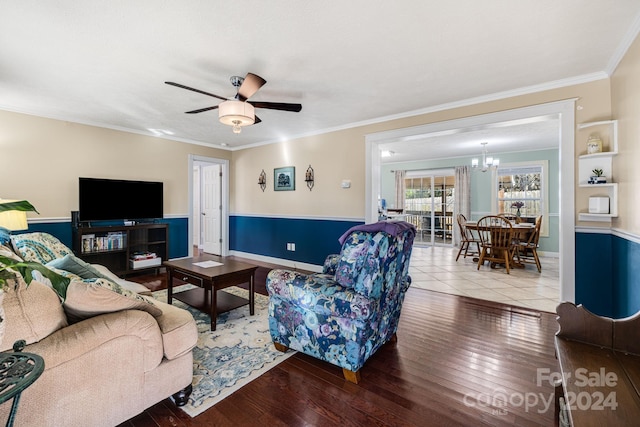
(487, 161)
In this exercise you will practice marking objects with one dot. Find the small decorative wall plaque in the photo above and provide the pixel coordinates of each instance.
(284, 179)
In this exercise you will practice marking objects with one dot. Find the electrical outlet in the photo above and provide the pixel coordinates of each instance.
(291, 246)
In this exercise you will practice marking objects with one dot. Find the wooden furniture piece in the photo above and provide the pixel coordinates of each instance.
(466, 238)
(599, 360)
(209, 280)
(527, 250)
(515, 219)
(395, 211)
(496, 241)
(521, 232)
(115, 246)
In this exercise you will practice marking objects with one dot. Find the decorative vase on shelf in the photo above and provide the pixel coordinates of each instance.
(594, 144)
(518, 213)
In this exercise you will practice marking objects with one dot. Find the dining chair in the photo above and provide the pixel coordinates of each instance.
(466, 238)
(496, 241)
(527, 252)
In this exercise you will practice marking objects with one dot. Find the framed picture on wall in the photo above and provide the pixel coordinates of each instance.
(284, 179)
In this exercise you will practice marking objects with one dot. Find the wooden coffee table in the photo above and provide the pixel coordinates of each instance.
(210, 280)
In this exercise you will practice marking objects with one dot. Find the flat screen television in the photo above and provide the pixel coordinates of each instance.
(116, 199)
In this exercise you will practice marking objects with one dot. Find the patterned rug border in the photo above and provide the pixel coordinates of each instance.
(203, 399)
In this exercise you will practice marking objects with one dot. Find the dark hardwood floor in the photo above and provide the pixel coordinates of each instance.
(458, 362)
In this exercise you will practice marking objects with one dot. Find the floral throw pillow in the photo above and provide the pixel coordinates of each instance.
(39, 247)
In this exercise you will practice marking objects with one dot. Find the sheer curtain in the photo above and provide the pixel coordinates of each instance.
(462, 204)
(400, 189)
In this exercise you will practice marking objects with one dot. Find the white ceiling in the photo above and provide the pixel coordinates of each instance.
(347, 63)
(536, 133)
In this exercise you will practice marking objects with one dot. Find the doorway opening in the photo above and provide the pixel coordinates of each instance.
(564, 111)
(208, 206)
(428, 205)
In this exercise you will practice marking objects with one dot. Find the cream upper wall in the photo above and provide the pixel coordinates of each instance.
(625, 93)
(341, 155)
(334, 157)
(43, 158)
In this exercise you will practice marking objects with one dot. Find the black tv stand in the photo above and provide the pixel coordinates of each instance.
(115, 246)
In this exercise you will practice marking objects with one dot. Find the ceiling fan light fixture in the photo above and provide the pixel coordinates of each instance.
(237, 114)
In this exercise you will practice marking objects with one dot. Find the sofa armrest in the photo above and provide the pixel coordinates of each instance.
(178, 328)
(81, 338)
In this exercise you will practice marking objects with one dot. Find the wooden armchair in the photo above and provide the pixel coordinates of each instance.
(496, 241)
(466, 238)
(527, 252)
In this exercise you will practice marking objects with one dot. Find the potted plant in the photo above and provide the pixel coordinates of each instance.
(597, 177)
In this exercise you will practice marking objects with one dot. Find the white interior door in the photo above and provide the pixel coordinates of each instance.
(197, 220)
(212, 209)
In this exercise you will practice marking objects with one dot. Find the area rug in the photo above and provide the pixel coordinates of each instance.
(236, 353)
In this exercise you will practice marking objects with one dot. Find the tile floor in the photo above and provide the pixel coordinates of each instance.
(435, 268)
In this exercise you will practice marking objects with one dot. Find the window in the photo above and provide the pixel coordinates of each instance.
(521, 189)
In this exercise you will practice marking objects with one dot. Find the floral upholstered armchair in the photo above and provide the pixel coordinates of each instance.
(344, 314)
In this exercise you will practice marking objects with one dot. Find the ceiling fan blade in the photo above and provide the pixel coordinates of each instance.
(250, 86)
(196, 90)
(277, 106)
(201, 110)
(257, 120)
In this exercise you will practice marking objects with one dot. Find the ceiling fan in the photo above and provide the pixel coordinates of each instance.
(239, 111)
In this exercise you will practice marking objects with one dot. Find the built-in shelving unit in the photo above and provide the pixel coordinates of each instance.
(602, 160)
(121, 248)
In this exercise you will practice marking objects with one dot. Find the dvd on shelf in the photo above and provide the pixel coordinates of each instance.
(110, 242)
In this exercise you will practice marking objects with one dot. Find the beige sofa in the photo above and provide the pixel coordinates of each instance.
(109, 353)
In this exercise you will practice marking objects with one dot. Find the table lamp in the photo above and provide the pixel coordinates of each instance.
(13, 217)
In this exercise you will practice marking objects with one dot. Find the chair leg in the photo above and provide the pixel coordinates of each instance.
(463, 245)
(351, 376)
(280, 347)
(482, 255)
(507, 255)
(535, 256)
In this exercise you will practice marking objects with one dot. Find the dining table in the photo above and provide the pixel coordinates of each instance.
(521, 233)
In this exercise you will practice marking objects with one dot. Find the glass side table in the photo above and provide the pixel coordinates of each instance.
(18, 371)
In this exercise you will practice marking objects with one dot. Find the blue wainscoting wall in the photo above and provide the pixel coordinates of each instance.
(178, 234)
(626, 276)
(314, 238)
(608, 274)
(594, 281)
(607, 265)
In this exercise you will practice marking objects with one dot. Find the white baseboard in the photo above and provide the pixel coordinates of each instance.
(285, 262)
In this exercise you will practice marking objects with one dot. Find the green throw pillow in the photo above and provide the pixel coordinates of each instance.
(76, 266)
